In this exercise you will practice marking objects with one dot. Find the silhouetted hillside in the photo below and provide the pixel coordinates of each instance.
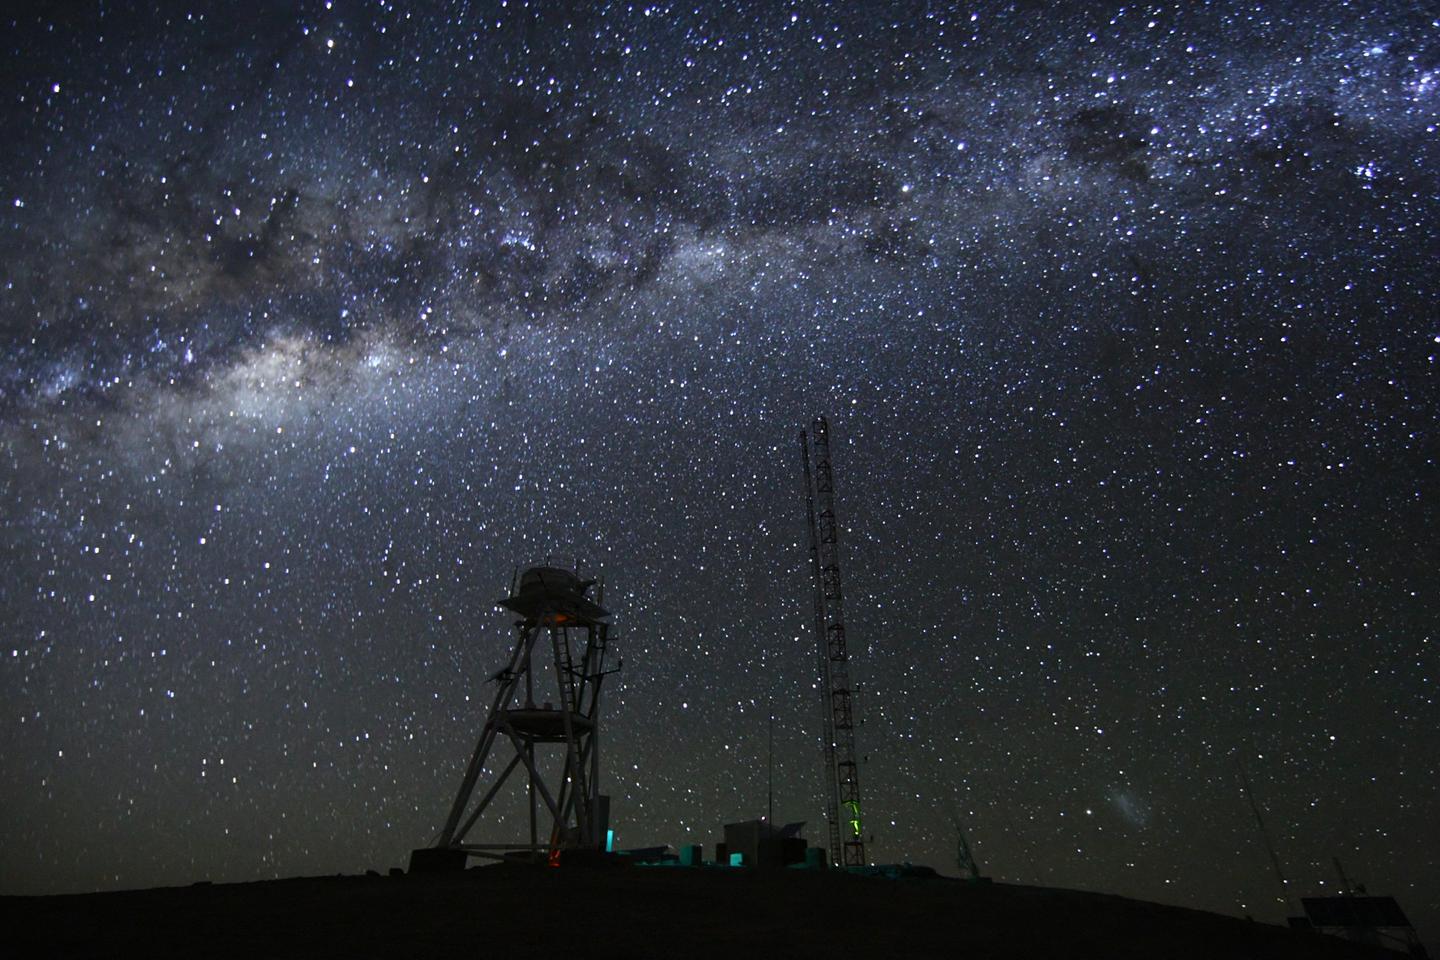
(518, 912)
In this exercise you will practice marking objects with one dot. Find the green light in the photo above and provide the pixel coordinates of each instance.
(854, 808)
(609, 841)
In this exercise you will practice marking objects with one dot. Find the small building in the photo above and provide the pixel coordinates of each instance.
(759, 843)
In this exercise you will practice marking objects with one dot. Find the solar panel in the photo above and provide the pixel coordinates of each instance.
(1354, 912)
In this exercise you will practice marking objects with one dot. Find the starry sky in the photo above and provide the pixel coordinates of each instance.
(316, 319)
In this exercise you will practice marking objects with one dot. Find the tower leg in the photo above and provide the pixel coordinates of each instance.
(449, 836)
(574, 769)
(530, 791)
(509, 678)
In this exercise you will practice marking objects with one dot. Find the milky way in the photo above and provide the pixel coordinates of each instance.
(318, 319)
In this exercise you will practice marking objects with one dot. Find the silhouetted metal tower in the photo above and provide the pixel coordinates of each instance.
(964, 856)
(847, 845)
(553, 604)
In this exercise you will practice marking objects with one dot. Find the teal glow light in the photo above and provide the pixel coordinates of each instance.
(609, 841)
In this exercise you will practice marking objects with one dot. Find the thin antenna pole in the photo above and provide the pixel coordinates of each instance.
(1264, 834)
(770, 776)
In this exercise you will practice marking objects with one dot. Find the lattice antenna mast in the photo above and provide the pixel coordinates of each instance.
(831, 603)
(832, 789)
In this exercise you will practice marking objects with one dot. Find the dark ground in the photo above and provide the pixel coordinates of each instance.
(519, 912)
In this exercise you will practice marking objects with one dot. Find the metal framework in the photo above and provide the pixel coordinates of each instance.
(553, 606)
(964, 856)
(842, 774)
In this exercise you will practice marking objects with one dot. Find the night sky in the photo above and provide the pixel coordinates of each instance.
(316, 319)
